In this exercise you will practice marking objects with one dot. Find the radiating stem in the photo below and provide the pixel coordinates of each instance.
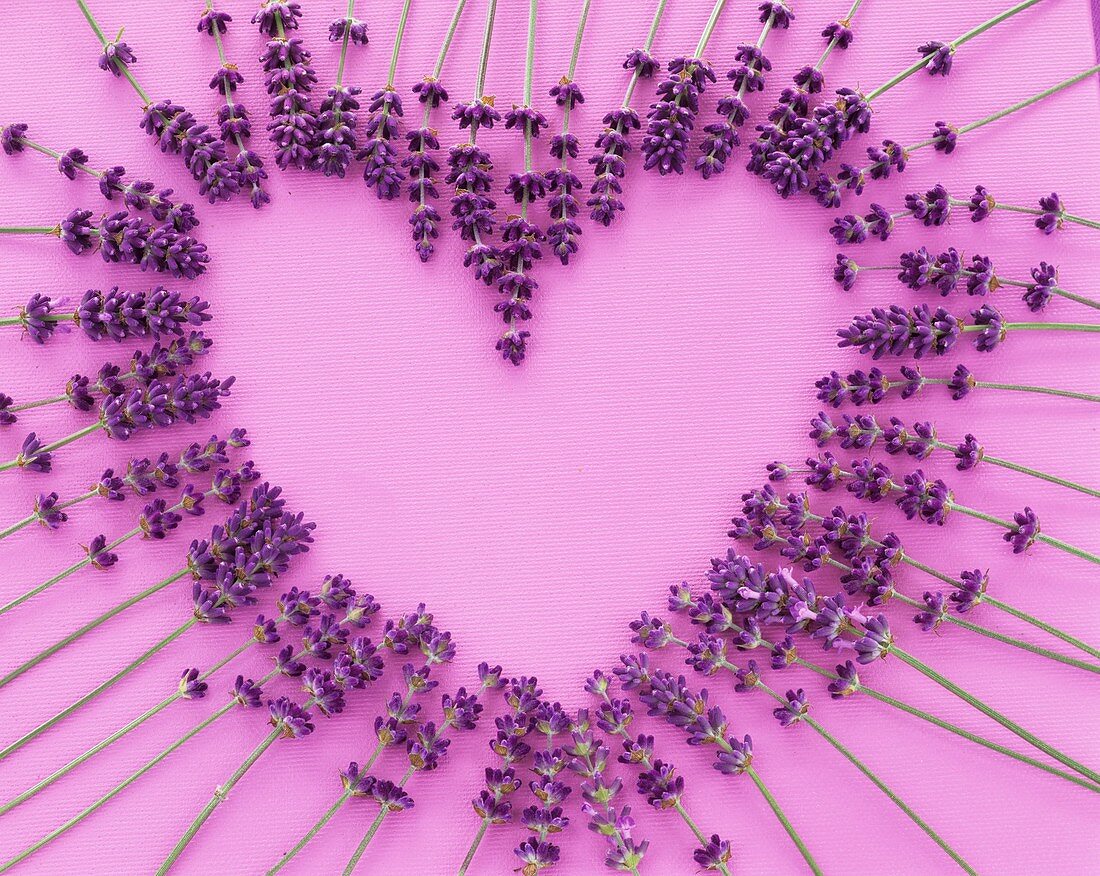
(783, 820)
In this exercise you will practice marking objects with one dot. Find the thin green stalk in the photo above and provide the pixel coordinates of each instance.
(60, 773)
(473, 847)
(1039, 326)
(220, 795)
(876, 781)
(483, 61)
(96, 691)
(18, 525)
(397, 44)
(1042, 95)
(708, 31)
(783, 820)
(114, 792)
(1012, 527)
(917, 66)
(344, 45)
(69, 439)
(1041, 390)
(1023, 469)
(1034, 621)
(901, 706)
(88, 627)
(990, 712)
(446, 47)
(29, 229)
(654, 26)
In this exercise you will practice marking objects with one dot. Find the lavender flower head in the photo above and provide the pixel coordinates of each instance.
(289, 78)
(672, 117)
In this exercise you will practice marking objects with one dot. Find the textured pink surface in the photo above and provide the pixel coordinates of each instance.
(537, 509)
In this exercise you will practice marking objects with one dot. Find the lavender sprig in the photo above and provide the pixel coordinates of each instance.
(140, 477)
(522, 239)
(873, 386)
(113, 314)
(423, 144)
(614, 141)
(868, 568)
(922, 331)
(797, 158)
(411, 632)
(563, 231)
(233, 118)
(672, 117)
(614, 824)
(126, 239)
(338, 117)
(160, 362)
(778, 599)
(658, 781)
(929, 501)
(159, 403)
(327, 691)
(672, 700)
(296, 608)
(289, 78)
(748, 76)
(920, 442)
(892, 156)
(546, 818)
(716, 612)
(136, 194)
(509, 745)
(470, 171)
(919, 269)
(175, 129)
(381, 172)
(426, 748)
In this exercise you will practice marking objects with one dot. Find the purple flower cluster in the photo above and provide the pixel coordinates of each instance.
(234, 124)
(747, 77)
(123, 238)
(509, 744)
(873, 386)
(115, 314)
(562, 182)
(378, 151)
(470, 172)
(612, 145)
(672, 117)
(289, 78)
(422, 165)
(920, 330)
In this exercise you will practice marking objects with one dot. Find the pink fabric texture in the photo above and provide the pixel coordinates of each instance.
(537, 509)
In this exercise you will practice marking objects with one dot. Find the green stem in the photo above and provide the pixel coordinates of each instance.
(1040, 326)
(114, 792)
(1034, 621)
(312, 832)
(483, 61)
(375, 825)
(117, 735)
(955, 43)
(69, 439)
(901, 706)
(1041, 390)
(990, 712)
(783, 820)
(653, 28)
(473, 847)
(28, 229)
(88, 627)
(459, 7)
(397, 43)
(708, 31)
(219, 797)
(1055, 290)
(15, 527)
(1023, 104)
(1023, 469)
(876, 781)
(344, 45)
(100, 688)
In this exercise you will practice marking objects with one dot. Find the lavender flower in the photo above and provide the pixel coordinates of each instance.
(289, 78)
(381, 172)
(672, 117)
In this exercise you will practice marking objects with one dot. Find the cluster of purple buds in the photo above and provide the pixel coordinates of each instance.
(186, 398)
(615, 824)
(381, 171)
(136, 195)
(115, 315)
(233, 121)
(337, 117)
(672, 117)
(747, 77)
(126, 239)
(422, 166)
(920, 330)
(289, 78)
(863, 431)
(509, 744)
(612, 145)
(470, 172)
(520, 248)
(546, 817)
(176, 130)
(562, 182)
(873, 386)
(255, 545)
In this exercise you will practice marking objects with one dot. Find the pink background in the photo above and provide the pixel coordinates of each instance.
(537, 509)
